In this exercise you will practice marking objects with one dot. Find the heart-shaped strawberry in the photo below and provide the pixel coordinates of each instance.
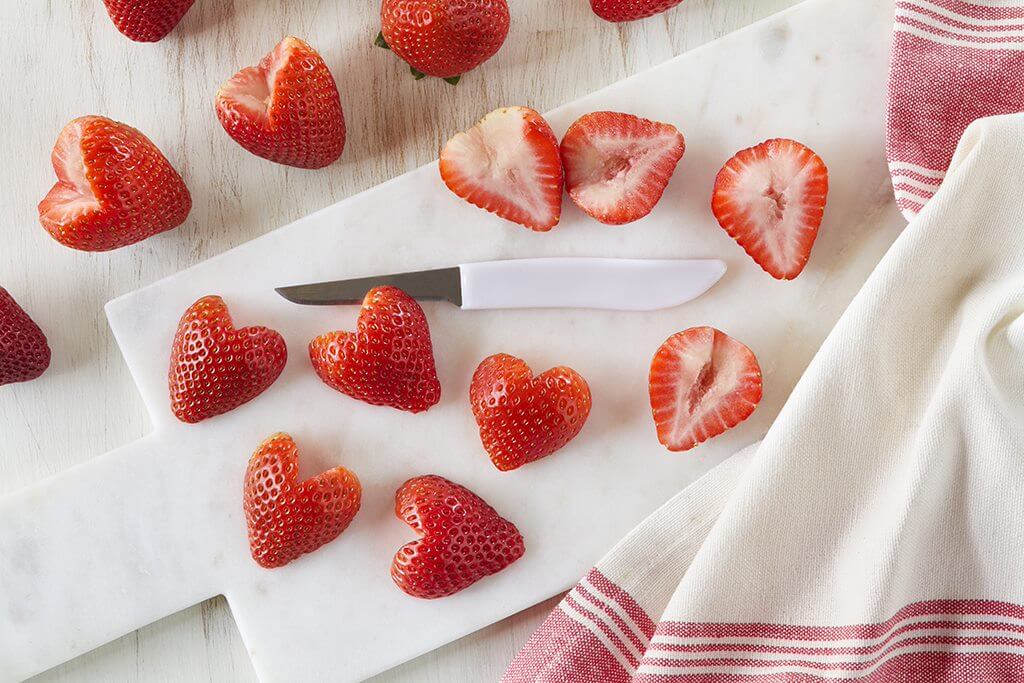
(288, 518)
(388, 361)
(523, 418)
(216, 368)
(462, 538)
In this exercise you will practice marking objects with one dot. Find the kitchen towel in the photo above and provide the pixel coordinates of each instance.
(877, 532)
(952, 62)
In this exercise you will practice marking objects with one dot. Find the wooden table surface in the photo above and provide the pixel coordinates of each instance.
(65, 59)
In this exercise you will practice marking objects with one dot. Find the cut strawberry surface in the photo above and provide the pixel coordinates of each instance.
(288, 518)
(771, 199)
(508, 164)
(702, 383)
(114, 187)
(618, 165)
(286, 109)
(462, 539)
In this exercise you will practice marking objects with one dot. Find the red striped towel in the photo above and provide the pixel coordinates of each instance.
(952, 62)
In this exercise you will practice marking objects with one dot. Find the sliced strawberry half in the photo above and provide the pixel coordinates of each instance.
(702, 383)
(618, 165)
(286, 109)
(508, 164)
(771, 199)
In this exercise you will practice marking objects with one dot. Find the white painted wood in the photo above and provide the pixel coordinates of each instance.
(64, 59)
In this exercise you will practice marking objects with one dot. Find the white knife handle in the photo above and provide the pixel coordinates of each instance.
(603, 283)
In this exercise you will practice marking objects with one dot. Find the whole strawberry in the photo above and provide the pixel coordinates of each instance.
(443, 38)
(523, 418)
(462, 539)
(24, 353)
(114, 187)
(146, 21)
(286, 109)
(630, 10)
(288, 518)
(214, 367)
(388, 361)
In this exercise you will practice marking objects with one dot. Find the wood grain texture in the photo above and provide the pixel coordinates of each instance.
(64, 59)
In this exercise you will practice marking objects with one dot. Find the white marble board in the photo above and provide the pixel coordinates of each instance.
(156, 526)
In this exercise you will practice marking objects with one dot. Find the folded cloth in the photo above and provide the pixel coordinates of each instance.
(952, 62)
(877, 532)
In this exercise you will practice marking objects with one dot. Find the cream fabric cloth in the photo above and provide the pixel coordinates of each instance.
(877, 532)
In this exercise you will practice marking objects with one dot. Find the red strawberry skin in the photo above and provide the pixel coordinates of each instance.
(771, 199)
(114, 187)
(462, 538)
(286, 109)
(523, 418)
(617, 165)
(444, 38)
(24, 353)
(388, 361)
(288, 518)
(214, 367)
(146, 21)
(630, 10)
(509, 164)
(702, 383)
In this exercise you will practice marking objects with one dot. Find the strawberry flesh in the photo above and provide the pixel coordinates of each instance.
(618, 165)
(388, 361)
(114, 187)
(288, 518)
(214, 367)
(24, 353)
(146, 21)
(508, 164)
(523, 418)
(462, 539)
(771, 200)
(702, 383)
(286, 109)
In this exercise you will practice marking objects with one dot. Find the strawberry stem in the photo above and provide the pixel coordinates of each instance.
(453, 80)
(416, 73)
(380, 42)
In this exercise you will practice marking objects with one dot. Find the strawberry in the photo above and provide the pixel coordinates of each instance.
(523, 418)
(771, 199)
(630, 10)
(462, 539)
(214, 367)
(24, 353)
(389, 361)
(508, 164)
(703, 382)
(146, 21)
(114, 187)
(286, 109)
(443, 38)
(617, 165)
(288, 518)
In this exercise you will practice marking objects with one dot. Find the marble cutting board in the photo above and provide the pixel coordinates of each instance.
(154, 527)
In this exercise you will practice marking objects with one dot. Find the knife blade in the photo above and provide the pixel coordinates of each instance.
(597, 283)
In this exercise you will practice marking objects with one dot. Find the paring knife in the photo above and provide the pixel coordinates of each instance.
(603, 283)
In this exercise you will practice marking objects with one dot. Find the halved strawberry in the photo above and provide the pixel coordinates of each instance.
(24, 353)
(114, 187)
(146, 21)
(523, 418)
(630, 10)
(462, 539)
(771, 199)
(215, 367)
(388, 361)
(702, 383)
(286, 109)
(617, 165)
(508, 164)
(288, 518)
